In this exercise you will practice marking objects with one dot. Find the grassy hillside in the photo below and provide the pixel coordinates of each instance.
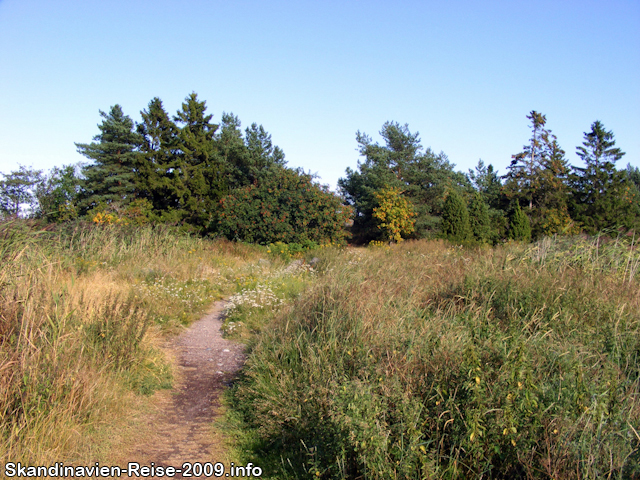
(430, 361)
(421, 360)
(82, 309)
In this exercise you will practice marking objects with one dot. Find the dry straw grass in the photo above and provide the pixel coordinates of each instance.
(82, 310)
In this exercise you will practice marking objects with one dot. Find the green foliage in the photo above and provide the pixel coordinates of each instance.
(288, 250)
(57, 194)
(112, 177)
(420, 361)
(519, 225)
(394, 214)
(17, 190)
(486, 181)
(455, 218)
(479, 220)
(400, 163)
(603, 197)
(285, 206)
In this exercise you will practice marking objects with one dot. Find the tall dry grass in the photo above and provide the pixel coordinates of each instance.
(82, 309)
(431, 361)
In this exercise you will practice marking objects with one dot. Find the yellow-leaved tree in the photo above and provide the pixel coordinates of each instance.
(394, 214)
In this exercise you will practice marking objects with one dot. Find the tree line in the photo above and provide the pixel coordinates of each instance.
(217, 179)
(208, 178)
(541, 193)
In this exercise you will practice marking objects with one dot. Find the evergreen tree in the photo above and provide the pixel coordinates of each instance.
(522, 180)
(399, 163)
(633, 174)
(262, 154)
(114, 174)
(162, 183)
(479, 220)
(602, 195)
(519, 225)
(455, 218)
(200, 169)
(486, 181)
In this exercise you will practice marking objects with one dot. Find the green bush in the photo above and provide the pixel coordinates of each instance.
(455, 218)
(519, 225)
(283, 207)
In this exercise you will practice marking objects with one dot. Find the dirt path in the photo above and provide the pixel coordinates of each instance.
(181, 429)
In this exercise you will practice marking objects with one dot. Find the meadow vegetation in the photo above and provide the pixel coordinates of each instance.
(83, 309)
(421, 359)
(427, 360)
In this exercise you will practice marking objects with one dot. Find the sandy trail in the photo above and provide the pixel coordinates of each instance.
(181, 428)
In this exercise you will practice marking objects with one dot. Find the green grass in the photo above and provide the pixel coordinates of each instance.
(428, 361)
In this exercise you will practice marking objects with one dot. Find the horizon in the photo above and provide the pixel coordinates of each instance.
(463, 75)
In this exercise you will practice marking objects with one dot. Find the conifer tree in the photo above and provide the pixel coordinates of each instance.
(522, 180)
(162, 184)
(479, 220)
(113, 177)
(401, 162)
(602, 195)
(486, 182)
(519, 225)
(455, 218)
(200, 169)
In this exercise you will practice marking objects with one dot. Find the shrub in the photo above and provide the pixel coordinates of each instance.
(394, 214)
(519, 225)
(285, 206)
(455, 218)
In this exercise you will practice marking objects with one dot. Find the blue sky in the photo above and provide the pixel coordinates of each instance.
(463, 73)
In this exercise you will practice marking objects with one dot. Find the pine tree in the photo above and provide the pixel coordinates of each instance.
(113, 177)
(602, 195)
(455, 218)
(200, 169)
(401, 162)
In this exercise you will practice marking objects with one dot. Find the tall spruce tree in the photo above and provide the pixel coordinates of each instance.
(602, 195)
(160, 149)
(200, 168)
(114, 176)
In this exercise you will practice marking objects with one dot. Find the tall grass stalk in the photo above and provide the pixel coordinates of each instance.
(82, 309)
(429, 361)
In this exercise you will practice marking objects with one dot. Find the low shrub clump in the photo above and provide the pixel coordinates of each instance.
(426, 361)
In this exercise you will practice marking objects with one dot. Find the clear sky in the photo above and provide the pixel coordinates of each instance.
(463, 73)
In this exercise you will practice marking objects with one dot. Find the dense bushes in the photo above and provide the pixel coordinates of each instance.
(285, 206)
